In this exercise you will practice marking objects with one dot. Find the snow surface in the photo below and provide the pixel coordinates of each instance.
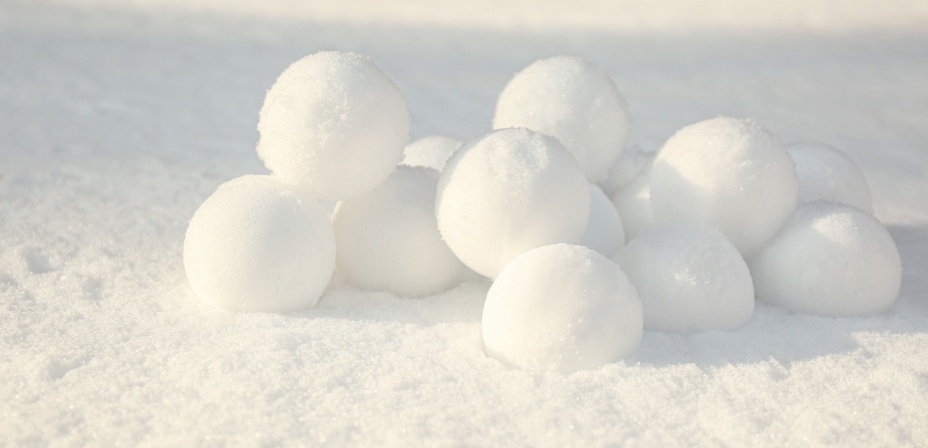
(117, 119)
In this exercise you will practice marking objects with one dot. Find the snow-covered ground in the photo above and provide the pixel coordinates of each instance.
(117, 119)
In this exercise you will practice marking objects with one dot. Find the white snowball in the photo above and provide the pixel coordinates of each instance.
(604, 232)
(561, 307)
(732, 174)
(574, 101)
(333, 123)
(829, 259)
(508, 192)
(431, 152)
(689, 278)
(633, 201)
(627, 168)
(257, 245)
(388, 239)
(825, 173)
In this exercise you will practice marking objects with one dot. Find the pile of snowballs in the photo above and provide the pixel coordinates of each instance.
(723, 214)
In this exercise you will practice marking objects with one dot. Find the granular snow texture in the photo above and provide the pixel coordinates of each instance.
(117, 119)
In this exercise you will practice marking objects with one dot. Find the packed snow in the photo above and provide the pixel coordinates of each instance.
(829, 259)
(334, 125)
(507, 192)
(432, 151)
(827, 174)
(257, 245)
(561, 307)
(689, 278)
(119, 119)
(388, 239)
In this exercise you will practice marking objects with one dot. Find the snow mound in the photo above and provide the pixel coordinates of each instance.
(604, 232)
(256, 245)
(508, 192)
(689, 278)
(431, 152)
(334, 124)
(561, 307)
(730, 173)
(574, 101)
(829, 259)
(388, 238)
(826, 173)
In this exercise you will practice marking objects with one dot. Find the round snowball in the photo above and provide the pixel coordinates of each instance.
(431, 152)
(689, 278)
(831, 260)
(508, 192)
(574, 101)
(633, 202)
(825, 173)
(561, 307)
(732, 174)
(604, 232)
(256, 245)
(388, 239)
(333, 123)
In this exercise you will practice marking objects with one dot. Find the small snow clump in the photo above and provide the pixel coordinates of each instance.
(334, 124)
(257, 245)
(826, 173)
(689, 278)
(633, 202)
(561, 307)
(388, 238)
(604, 232)
(573, 100)
(829, 259)
(431, 152)
(508, 192)
(730, 173)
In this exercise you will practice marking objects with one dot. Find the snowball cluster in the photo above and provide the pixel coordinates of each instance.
(257, 245)
(561, 307)
(730, 173)
(334, 124)
(825, 173)
(388, 239)
(574, 101)
(689, 278)
(542, 205)
(829, 259)
(507, 192)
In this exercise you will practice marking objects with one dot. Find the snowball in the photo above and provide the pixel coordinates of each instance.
(627, 168)
(633, 202)
(334, 123)
(561, 307)
(604, 232)
(431, 152)
(508, 192)
(825, 173)
(256, 245)
(829, 259)
(388, 239)
(690, 278)
(732, 174)
(574, 101)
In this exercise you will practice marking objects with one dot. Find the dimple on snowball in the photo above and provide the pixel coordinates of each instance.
(689, 278)
(574, 101)
(829, 259)
(604, 232)
(561, 307)
(334, 124)
(729, 173)
(508, 192)
(431, 152)
(825, 173)
(256, 245)
(388, 238)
